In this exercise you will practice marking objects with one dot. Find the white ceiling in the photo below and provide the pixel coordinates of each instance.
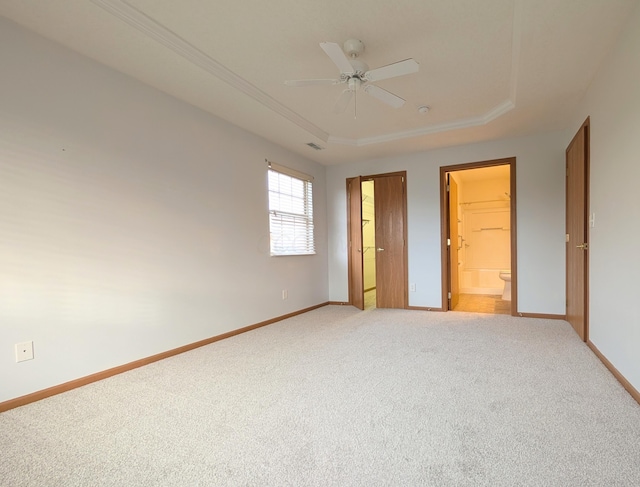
(488, 69)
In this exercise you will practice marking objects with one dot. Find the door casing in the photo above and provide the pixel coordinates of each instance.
(445, 231)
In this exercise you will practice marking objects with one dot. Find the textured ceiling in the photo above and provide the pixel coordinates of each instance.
(490, 69)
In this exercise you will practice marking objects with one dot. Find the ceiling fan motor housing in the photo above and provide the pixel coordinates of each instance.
(353, 47)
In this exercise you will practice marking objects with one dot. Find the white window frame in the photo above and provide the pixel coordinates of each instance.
(291, 230)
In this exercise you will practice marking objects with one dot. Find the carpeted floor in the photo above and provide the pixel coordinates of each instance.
(338, 397)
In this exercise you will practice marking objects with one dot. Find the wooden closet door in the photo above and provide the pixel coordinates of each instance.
(391, 277)
(577, 231)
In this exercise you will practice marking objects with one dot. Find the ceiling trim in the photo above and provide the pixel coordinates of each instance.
(491, 115)
(153, 29)
(146, 25)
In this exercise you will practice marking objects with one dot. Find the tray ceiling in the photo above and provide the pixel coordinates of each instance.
(491, 69)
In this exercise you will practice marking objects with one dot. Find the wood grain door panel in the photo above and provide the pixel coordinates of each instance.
(577, 237)
(391, 280)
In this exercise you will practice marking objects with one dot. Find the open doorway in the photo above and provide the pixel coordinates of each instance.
(377, 241)
(369, 243)
(479, 237)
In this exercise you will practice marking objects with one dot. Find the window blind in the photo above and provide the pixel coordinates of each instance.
(290, 211)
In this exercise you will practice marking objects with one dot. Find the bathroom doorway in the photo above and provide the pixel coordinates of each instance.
(479, 237)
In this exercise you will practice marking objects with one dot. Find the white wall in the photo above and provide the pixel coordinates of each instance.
(613, 104)
(130, 223)
(540, 207)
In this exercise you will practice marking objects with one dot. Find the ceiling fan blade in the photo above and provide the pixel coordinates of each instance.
(384, 96)
(400, 68)
(343, 101)
(337, 55)
(311, 82)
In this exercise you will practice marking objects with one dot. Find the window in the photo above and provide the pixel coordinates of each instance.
(290, 211)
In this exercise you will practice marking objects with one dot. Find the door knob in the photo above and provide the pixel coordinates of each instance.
(584, 246)
(379, 249)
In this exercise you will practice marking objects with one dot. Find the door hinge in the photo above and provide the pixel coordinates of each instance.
(448, 187)
(448, 242)
(449, 295)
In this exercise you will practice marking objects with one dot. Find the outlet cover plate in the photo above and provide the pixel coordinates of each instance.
(24, 351)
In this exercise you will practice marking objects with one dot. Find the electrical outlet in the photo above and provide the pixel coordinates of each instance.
(412, 287)
(285, 294)
(24, 351)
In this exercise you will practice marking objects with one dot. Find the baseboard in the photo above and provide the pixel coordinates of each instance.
(339, 303)
(422, 308)
(82, 381)
(540, 315)
(625, 383)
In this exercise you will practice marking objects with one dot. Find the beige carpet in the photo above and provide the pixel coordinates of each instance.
(338, 397)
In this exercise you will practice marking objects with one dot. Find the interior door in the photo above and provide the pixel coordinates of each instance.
(391, 274)
(454, 240)
(577, 157)
(356, 272)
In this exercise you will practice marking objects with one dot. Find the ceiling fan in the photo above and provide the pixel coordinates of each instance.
(356, 74)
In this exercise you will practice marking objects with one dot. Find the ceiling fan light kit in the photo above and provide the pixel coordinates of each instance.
(355, 73)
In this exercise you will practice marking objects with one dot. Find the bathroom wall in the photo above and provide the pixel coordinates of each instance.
(368, 235)
(485, 229)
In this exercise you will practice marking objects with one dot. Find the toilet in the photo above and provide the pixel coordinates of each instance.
(506, 277)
